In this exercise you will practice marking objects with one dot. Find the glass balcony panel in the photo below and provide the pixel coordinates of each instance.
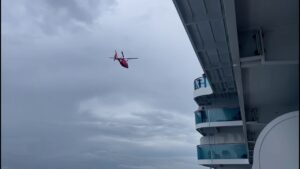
(222, 151)
(229, 151)
(217, 115)
(204, 152)
(201, 117)
(225, 114)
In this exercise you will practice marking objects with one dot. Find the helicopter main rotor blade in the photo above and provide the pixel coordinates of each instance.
(131, 58)
(122, 54)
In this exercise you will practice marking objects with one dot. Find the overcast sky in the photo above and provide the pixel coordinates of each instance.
(66, 105)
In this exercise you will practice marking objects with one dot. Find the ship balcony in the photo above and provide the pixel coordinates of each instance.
(201, 87)
(222, 154)
(210, 120)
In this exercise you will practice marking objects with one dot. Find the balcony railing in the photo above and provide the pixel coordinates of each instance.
(221, 151)
(217, 115)
(201, 82)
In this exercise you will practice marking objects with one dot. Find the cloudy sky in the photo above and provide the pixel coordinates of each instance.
(66, 105)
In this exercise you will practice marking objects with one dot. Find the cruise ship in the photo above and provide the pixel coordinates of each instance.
(248, 96)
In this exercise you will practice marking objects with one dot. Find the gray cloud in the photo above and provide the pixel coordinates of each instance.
(52, 17)
(66, 105)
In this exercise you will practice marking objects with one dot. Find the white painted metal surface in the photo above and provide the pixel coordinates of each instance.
(277, 146)
(219, 124)
(224, 162)
(202, 91)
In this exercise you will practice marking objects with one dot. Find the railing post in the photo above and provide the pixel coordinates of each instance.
(199, 82)
(204, 79)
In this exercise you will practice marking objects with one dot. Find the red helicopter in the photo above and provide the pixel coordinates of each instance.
(122, 60)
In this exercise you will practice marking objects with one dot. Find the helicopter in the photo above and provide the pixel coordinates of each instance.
(122, 60)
